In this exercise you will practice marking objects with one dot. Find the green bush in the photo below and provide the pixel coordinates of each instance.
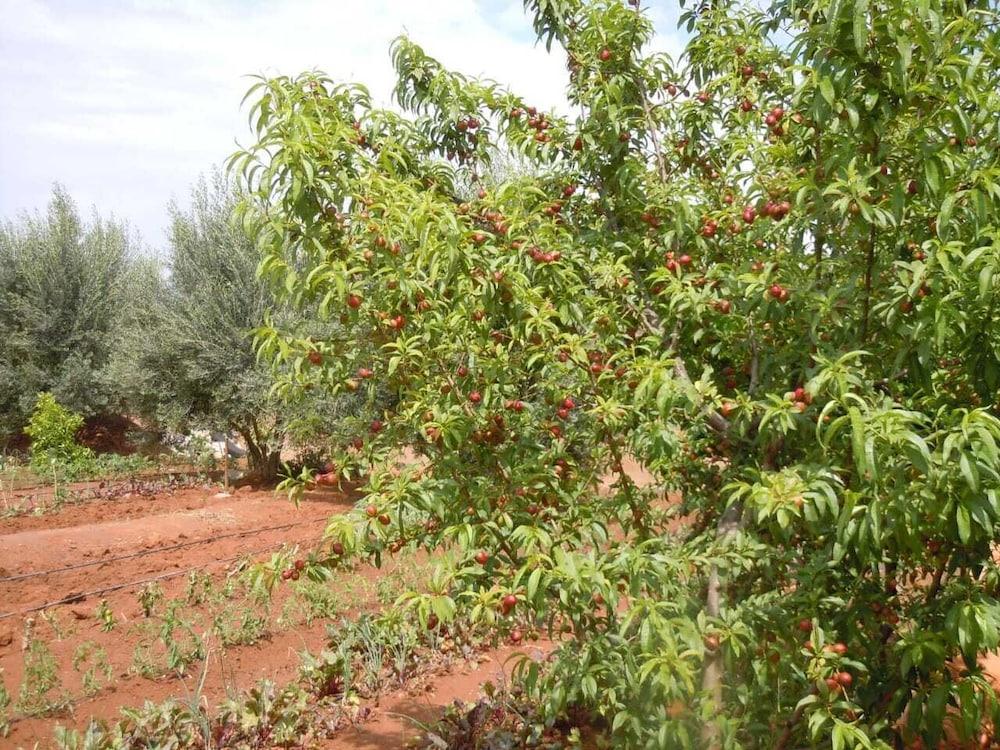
(52, 430)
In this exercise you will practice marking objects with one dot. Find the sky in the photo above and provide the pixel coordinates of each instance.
(127, 102)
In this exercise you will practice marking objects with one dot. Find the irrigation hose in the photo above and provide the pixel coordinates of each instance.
(157, 550)
(132, 584)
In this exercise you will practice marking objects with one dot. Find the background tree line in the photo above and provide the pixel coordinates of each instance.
(109, 329)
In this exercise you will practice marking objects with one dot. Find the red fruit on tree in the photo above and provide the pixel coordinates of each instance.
(371, 511)
(605, 54)
(482, 557)
(315, 357)
(805, 626)
(353, 301)
(845, 678)
(376, 426)
(475, 397)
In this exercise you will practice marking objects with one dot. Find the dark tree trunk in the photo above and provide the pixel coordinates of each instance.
(263, 462)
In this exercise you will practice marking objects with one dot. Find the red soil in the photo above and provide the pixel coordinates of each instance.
(102, 530)
(107, 529)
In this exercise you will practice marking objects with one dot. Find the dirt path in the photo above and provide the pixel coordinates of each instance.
(396, 717)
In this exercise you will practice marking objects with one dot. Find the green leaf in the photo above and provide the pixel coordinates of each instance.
(964, 526)
(860, 26)
(858, 440)
(826, 89)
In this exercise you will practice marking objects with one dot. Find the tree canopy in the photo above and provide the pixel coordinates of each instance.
(765, 270)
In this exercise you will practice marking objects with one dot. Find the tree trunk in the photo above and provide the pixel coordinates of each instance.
(263, 462)
(730, 523)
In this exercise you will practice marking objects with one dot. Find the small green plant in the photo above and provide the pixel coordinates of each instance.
(149, 596)
(92, 661)
(52, 430)
(321, 600)
(105, 616)
(182, 644)
(51, 617)
(4, 706)
(322, 674)
(143, 663)
(199, 588)
(240, 626)
(280, 716)
(41, 689)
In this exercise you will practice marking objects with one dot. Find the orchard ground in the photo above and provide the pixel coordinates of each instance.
(214, 530)
(128, 539)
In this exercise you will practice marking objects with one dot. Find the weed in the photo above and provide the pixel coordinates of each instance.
(41, 689)
(149, 596)
(267, 715)
(240, 626)
(105, 616)
(92, 660)
(4, 706)
(323, 674)
(321, 601)
(142, 661)
(199, 588)
(182, 644)
(52, 619)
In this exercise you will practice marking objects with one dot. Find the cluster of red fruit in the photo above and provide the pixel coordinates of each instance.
(773, 120)
(800, 398)
(778, 292)
(565, 407)
(326, 478)
(675, 265)
(539, 256)
(292, 573)
(650, 220)
(468, 123)
(383, 518)
(777, 210)
(538, 123)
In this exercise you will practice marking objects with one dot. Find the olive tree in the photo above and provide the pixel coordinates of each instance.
(65, 287)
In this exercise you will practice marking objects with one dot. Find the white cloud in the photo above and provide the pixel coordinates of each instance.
(127, 101)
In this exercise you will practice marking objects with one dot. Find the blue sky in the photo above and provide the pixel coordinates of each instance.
(127, 102)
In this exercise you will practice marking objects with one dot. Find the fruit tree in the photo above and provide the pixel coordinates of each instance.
(767, 272)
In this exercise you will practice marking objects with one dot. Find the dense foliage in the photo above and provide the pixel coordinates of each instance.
(65, 293)
(189, 359)
(766, 271)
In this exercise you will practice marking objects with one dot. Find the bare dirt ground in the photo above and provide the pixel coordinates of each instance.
(95, 534)
(110, 542)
